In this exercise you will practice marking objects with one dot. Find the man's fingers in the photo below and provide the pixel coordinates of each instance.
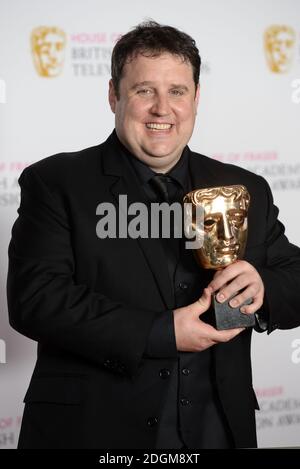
(193, 334)
(222, 277)
(217, 274)
(253, 307)
(240, 282)
(229, 273)
(202, 305)
(219, 336)
(225, 336)
(233, 287)
(253, 292)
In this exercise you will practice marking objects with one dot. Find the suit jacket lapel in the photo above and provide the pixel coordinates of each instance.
(123, 180)
(201, 173)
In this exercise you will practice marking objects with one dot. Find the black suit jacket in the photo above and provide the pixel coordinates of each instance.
(90, 303)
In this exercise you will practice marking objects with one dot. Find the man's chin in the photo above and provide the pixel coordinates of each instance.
(161, 160)
(162, 152)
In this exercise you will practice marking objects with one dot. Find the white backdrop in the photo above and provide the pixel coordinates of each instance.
(248, 115)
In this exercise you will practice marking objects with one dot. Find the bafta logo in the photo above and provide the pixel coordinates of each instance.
(48, 47)
(279, 41)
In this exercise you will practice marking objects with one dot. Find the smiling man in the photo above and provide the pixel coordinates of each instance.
(155, 105)
(127, 357)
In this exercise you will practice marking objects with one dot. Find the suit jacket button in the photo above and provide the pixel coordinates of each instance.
(185, 371)
(184, 402)
(152, 421)
(164, 373)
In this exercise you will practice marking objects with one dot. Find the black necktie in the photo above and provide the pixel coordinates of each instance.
(159, 184)
(167, 190)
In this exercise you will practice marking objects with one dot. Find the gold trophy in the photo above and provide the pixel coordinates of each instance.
(224, 236)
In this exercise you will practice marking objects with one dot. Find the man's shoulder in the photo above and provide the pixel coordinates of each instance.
(66, 161)
(221, 167)
(225, 173)
(60, 168)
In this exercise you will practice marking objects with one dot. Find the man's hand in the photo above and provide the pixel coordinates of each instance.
(239, 276)
(194, 335)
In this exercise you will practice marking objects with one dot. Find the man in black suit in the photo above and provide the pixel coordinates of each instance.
(125, 357)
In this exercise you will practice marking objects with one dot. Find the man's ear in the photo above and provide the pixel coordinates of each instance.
(112, 98)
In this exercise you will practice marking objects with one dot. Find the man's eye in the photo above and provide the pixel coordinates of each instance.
(176, 92)
(144, 91)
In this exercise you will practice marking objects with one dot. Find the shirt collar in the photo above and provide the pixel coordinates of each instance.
(179, 172)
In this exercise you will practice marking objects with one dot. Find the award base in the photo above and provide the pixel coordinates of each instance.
(227, 317)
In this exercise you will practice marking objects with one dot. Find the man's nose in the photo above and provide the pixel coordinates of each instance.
(160, 105)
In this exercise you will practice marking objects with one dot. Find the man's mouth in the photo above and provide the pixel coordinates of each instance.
(156, 126)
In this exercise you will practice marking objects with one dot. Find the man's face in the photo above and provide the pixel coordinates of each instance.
(225, 232)
(156, 110)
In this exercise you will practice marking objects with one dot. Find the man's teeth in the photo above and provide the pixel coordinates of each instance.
(155, 126)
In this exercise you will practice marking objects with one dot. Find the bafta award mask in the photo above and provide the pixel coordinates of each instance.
(279, 44)
(48, 45)
(224, 225)
(223, 231)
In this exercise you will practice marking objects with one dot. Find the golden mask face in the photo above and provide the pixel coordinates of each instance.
(48, 46)
(279, 47)
(225, 224)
